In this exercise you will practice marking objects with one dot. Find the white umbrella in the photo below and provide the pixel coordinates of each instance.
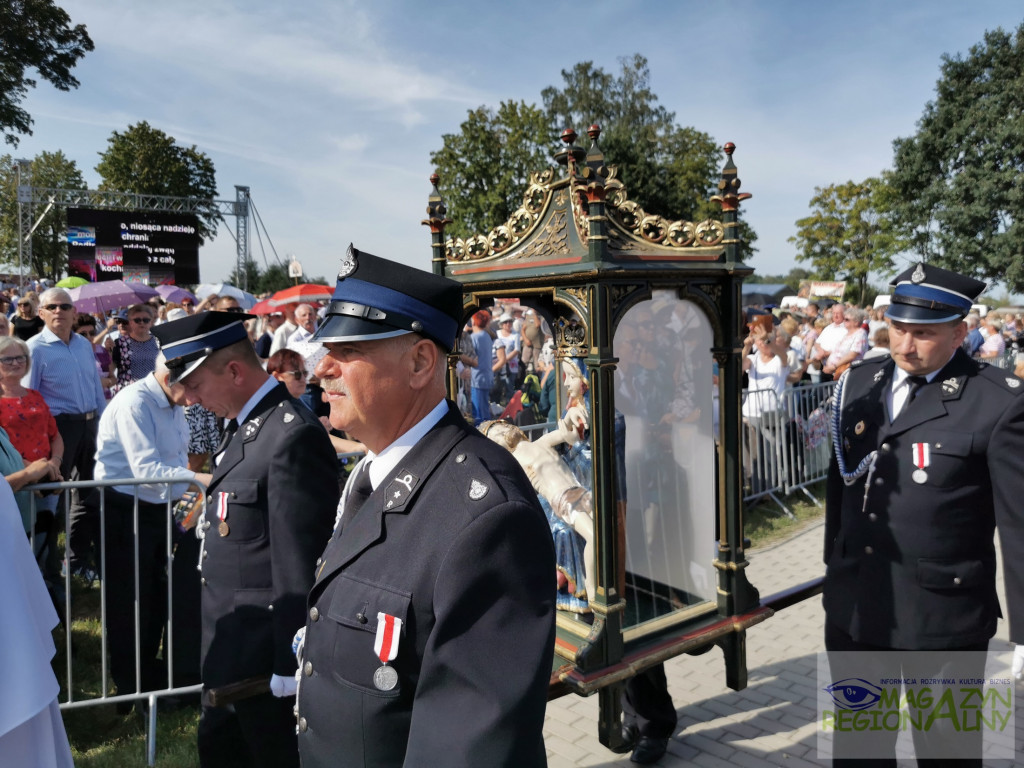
(247, 300)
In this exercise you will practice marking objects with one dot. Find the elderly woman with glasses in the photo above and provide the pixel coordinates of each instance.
(31, 448)
(136, 349)
(289, 367)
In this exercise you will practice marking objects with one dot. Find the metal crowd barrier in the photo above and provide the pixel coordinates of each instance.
(66, 490)
(786, 441)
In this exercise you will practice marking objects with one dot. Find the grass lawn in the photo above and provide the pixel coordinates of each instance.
(765, 523)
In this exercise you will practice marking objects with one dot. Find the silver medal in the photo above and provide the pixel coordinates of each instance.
(919, 476)
(385, 678)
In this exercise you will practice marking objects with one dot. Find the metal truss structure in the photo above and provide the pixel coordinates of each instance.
(29, 197)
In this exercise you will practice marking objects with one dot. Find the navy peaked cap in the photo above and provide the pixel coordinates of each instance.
(927, 294)
(186, 343)
(377, 298)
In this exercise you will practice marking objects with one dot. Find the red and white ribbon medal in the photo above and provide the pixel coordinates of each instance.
(222, 513)
(922, 458)
(385, 646)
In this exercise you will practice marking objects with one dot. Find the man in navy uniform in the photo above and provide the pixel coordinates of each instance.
(430, 629)
(271, 503)
(930, 459)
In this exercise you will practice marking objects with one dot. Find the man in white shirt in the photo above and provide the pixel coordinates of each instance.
(141, 434)
(305, 319)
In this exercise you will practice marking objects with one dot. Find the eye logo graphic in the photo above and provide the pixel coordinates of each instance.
(854, 694)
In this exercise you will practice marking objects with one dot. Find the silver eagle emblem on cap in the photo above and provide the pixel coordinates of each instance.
(477, 490)
(348, 262)
(918, 276)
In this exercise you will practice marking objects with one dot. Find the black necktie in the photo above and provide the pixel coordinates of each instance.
(914, 383)
(359, 492)
(229, 430)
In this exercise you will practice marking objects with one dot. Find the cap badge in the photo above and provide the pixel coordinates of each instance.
(477, 490)
(348, 263)
(918, 276)
(1012, 382)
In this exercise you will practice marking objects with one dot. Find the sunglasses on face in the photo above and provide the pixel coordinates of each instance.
(233, 309)
(15, 360)
(55, 307)
(297, 375)
(142, 320)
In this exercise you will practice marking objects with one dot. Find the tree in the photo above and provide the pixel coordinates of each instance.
(273, 278)
(145, 160)
(668, 169)
(959, 180)
(35, 34)
(850, 233)
(485, 168)
(49, 239)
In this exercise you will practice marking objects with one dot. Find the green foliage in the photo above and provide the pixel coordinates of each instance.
(49, 240)
(796, 274)
(273, 278)
(485, 168)
(35, 34)
(146, 160)
(960, 179)
(668, 169)
(849, 233)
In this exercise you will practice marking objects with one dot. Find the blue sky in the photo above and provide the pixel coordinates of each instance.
(328, 109)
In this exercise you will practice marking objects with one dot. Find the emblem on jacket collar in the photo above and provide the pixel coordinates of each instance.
(950, 386)
(878, 376)
(288, 417)
(251, 428)
(400, 489)
(1012, 382)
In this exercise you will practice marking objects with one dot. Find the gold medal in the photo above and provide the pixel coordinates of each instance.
(223, 529)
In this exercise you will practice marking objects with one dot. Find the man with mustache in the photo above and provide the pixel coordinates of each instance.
(270, 505)
(430, 628)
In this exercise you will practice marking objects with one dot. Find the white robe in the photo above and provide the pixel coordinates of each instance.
(31, 730)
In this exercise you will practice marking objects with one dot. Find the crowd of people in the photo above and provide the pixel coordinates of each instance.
(87, 396)
(506, 367)
(370, 616)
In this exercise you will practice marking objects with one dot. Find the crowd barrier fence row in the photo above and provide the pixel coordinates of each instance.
(786, 441)
(65, 598)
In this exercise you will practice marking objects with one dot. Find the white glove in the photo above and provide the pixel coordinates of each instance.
(1018, 662)
(282, 686)
(298, 643)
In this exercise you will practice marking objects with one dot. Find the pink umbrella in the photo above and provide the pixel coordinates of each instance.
(174, 293)
(107, 295)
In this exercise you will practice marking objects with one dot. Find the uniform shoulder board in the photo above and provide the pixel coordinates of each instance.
(288, 414)
(1002, 378)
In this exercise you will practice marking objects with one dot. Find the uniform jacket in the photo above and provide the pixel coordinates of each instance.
(914, 566)
(279, 474)
(457, 547)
